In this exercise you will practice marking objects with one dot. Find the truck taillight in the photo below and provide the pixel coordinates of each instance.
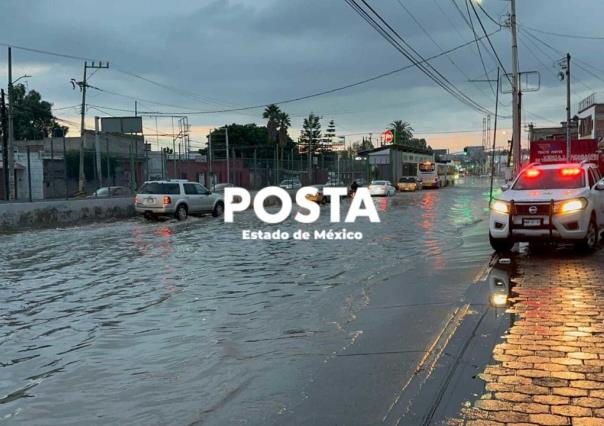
(167, 200)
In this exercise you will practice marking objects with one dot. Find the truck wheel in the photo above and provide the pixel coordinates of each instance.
(500, 244)
(181, 212)
(218, 209)
(590, 242)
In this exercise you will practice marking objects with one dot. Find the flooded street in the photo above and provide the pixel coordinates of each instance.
(177, 323)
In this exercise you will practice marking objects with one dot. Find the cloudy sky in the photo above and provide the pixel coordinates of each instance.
(210, 55)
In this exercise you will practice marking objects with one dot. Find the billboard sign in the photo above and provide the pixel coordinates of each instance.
(554, 151)
(124, 125)
(388, 136)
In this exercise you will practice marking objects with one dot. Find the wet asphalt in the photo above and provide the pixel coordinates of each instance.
(186, 323)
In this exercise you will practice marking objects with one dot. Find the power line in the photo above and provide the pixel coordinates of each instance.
(419, 24)
(576, 36)
(579, 63)
(251, 107)
(486, 75)
(465, 19)
(487, 14)
(525, 40)
(425, 67)
(330, 91)
(490, 43)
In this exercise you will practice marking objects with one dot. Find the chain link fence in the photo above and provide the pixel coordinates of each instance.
(53, 173)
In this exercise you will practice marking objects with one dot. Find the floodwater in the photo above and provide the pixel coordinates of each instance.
(171, 323)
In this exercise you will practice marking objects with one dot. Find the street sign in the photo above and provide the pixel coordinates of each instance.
(122, 125)
(388, 136)
(529, 81)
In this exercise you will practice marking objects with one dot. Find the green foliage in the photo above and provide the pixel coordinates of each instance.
(310, 135)
(33, 119)
(284, 125)
(243, 139)
(272, 113)
(403, 132)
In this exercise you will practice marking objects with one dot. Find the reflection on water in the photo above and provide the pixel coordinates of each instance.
(499, 280)
(162, 322)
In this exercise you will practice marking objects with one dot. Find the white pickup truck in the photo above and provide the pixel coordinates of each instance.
(549, 203)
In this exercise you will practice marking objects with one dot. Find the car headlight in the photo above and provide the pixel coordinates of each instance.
(570, 206)
(501, 207)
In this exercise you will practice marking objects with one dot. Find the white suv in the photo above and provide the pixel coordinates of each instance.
(554, 202)
(176, 197)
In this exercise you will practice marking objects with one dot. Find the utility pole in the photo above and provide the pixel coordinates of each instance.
(228, 166)
(516, 130)
(494, 140)
(10, 160)
(97, 151)
(4, 126)
(310, 156)
(568, 141)
(83, 85)
(209, 159)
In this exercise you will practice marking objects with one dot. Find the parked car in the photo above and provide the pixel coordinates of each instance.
(334, 182)
(408, 183)
(545, 203)
(382, 188)
(179, 198)
(113, 191)
(293, 183)
(219, 187)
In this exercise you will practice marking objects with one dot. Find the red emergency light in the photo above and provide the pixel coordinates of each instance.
(573, 171)
(532, 173)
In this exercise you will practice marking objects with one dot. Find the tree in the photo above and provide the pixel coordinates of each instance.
(402, 130)
(310, 135)
(271, 113)
(284, 123)
(32, 116)
(366, 144)
(244, 139)
(330, 134)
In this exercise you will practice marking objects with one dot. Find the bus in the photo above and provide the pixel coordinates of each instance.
(437, 175)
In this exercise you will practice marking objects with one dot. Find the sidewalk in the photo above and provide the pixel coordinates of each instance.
(549, 371)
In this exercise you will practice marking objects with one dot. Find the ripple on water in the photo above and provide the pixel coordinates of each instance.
(100, 320)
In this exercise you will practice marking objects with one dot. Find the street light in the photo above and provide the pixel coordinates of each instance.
(23, 76)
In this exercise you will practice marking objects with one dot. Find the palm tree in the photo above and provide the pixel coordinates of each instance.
(402, 130)
(284, 124)
(271, 112)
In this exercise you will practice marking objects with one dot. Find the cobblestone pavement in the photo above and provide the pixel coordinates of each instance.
(550, 368)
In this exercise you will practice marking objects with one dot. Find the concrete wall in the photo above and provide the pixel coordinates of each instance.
(19, 216)
(37, 176)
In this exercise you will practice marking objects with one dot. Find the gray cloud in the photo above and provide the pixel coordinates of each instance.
(230, 52)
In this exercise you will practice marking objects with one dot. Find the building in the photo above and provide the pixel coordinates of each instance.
(551, 133)
(391, 162)
(591, 118)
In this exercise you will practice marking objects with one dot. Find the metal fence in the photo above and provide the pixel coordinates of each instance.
(54, 173)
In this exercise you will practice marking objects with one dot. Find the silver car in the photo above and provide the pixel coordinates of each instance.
(381, 188)
(291, 184)
(178, 198)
